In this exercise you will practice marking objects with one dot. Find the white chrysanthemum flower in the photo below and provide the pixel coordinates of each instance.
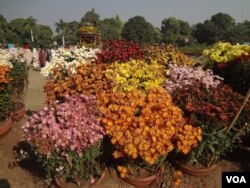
(69, 58)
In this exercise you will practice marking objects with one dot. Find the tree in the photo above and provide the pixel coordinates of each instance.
(12, 37)
(16, 29)
(246, 24)
(175, 31)
(218, 28)
(71, 33)
(90, 18)
(119, 25)
(223, 21)
(157, 35)
(170, 25)
(237, 34)
(204, 33)
(111, 28)
(185, 28)
(61, 27)
(43, 35)
(3, 28)
(30, 23)
(17, 25)
(138, 30)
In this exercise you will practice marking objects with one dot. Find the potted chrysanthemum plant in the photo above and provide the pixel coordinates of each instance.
(144, 126)
(67, 139)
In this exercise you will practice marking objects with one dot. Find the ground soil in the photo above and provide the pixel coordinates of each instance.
(29, 176)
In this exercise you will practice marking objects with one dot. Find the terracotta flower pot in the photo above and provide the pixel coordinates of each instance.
(63, 184)
(60, 182)
(18, 114)
(104, 174)
(195, 171)
(144, 182)
(5, 126)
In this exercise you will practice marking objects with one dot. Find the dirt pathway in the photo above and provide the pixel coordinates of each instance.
(16, 176)
(35, 97)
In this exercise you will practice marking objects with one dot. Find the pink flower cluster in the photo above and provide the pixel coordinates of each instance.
(181, 76)
(69, 126)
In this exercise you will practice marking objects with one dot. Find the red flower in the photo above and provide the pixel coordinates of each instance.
(120, 50)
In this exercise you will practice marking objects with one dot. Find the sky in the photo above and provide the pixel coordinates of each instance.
(47, 12)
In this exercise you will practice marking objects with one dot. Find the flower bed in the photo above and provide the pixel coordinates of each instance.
(149, 106)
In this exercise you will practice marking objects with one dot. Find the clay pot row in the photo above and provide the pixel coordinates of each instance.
(136, 182)
(147, 181)
(6, 125)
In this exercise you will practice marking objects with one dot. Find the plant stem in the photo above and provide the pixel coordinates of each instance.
(132, 172)
(239, 131)
(239, 111)
(211, 161)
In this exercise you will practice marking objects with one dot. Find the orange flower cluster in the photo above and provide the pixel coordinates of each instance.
(145, 124)
(168, 54)
(90, 79)
(178, 179)
(4, 79)
(187, 137)
(123, 171)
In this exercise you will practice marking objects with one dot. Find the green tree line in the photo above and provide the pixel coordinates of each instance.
(220, 27)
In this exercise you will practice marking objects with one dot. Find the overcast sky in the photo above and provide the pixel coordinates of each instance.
(48, 12)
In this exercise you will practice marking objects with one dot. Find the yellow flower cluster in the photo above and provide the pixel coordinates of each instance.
(88, 29)
(168, 54)
(223, 52)
(135, 74)
(145, 124)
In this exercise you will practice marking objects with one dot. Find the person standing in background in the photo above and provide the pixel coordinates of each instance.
(28, 55)
(35, 62)
(42, 56)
